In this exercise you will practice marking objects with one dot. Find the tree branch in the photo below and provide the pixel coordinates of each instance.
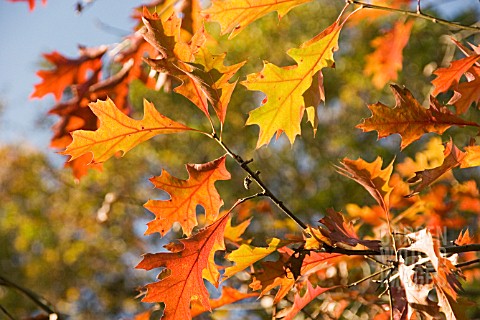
(388, 251)
(417, 14)
(255, 176)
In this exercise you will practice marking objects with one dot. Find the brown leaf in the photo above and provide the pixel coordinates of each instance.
(372, 177)
(453, 158)
(340, 232)
(409, 119)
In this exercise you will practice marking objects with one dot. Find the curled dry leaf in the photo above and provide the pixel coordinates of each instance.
(409, 119)
(453, 158)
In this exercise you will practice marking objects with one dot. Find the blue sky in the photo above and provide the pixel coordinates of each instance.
(56, 26)
(25, 35)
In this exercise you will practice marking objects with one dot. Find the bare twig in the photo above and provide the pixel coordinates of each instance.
(255, 176)
(417, 14)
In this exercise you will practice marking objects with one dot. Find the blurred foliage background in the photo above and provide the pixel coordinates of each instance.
(77, 244)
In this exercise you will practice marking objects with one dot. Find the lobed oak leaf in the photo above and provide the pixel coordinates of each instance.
(372, 177)
(229, 296)
(453, 157)
(198, 189)
(385, 62)
(234, 233)
(235, 15)
(184, 281)
(340, 232)
(301, 302)
(216, 77)
(284, 87)
(67, 71)
(246, 255)
(448, 77)
(118, 132)
(277, 274)
(31, 3)
(409, 119)
(467, 93)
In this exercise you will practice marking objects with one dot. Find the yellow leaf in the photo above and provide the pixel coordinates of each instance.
(285, 86)
(118, 132)
(235, 15)
(247, 255)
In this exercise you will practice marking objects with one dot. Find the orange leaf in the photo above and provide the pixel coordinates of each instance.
(372, 177)
(229, 296)
(385, 62)
(183, 281)
(67, 71)
(472, 157)
(467, 93)
(339, 232)
(453, 158)
(198, 189)
(285, 105)
(301, 302)
(448, 77)
(409, 119)
(464, 238)
(118, 132)
(235, 15)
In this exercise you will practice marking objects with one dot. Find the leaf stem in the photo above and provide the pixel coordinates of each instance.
(418, 14)
(369, 276)
(255, 176)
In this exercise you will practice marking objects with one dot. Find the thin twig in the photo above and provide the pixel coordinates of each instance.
(9, 316)
(369, 276)
(255, 176)
(386, 251)
(31, 295)
(420, 15)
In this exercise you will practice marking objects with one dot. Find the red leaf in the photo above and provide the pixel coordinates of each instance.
(184, 280)
(229, 296)
(67, 71)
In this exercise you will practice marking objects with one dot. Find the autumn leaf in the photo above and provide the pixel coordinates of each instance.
(301, 302)
(371, 176)
(235, 15)
(276, 274)
(467, 92)
(183, 281)
(229, 296)
(471, 158)
(444, 280)
(246, 255)
(216, 77)
(409, 119)
(453, 158)
(448, 77)
(370, 15)
(234, 233)
(118, 132)
(340, 232)
(464, 238)
(285, 86)
(67, 71)
(385, 62)
(31, 3)
(198, 189)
